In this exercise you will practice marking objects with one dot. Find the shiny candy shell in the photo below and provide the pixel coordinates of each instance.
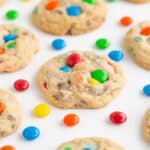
(73, 10)
(9, 37)
(7, 147)
(65, 68)
(93, 81)
(58, 44)
(116, 55)
(42, 110)
(31, 133)
(21, 85)
(146, 90)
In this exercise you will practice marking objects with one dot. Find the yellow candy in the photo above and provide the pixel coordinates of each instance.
(42, 110)
(93, 81)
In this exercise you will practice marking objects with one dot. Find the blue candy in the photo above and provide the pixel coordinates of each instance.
(10, 37)
(73, 10)
(31, 133)
(59, 44)
(116, 55)
(65, 68)
(146, 89)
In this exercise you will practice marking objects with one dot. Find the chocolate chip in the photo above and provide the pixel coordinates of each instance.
(88, 22)
(148, 40)
(11, 118)
(25, 33)
(64, 85)
(1, 59)
(2, 134)
(59, 12)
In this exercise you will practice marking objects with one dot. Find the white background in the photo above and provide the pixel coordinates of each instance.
(92, 122)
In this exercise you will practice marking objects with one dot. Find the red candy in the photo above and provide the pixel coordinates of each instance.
(21, 85)
(74, 59)
(118, 117)
(71, 120)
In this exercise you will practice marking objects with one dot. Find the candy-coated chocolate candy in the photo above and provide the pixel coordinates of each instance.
(126, 21)
(10, 37)
(68, 148)
(52, 5)
(42, 110)
(73, 10)
(111, 1)
(89, 148)
(21, 85)
(100, 75)
(146, 90)
(65, 68)
(102, 43)
(91, 2)
(7, 147)
(71, 120)
(2, 50)
(2, 107)
(145, 31)
(11, 44)
(116, 55)
(74, 59)
(12, 14)
(118, 117)
(59, 44)
(31, 133)
(93, 81)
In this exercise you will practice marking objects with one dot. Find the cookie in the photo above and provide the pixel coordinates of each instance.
(17, 46)
(69, 17)
(80, 80)
(137, 42)
(10, 114)
(139, 1)
(2, 2)
(90, 144)
(147, 125)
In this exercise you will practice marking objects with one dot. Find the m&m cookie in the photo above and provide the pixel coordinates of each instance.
(137, 42)
(72, 17)
(2, 2)
(17, 46)
(80, 80)
(10, 114)
(93, 143)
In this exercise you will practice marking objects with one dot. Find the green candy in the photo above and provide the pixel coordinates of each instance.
(12, 14)
(100, 75)
(112, 1)
(11, 45)
(102, 43)
(92, 2)
(68, 148)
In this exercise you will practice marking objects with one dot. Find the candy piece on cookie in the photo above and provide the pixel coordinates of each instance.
(139, 1)
(10, 114)
(80, 80)
(60, 17)
(93, 143)
(137, 42)
(17, 46)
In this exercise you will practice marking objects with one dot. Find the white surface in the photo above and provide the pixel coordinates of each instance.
(93, 122)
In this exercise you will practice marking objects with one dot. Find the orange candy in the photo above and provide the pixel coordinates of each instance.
(126, 21)
(79, 78)
(2, 50)
(7, 147)
(145, 31)
(71, 120)
(2, 107)
(52, 5)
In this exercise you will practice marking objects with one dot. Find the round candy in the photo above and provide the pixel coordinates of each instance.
(11, 44)
(118, 117)
(68, 148)
(59, 44)
(102, 43)
(73, 11)
(116, 55)
(42, 110)
(74, 59)
(100, 75)
(93, 81)
(2, 50)
(7, 147)
(126, 21)
(92, 2)
(111, 1)
(65, 68)
(146, 90)
(145, 31)
(10, 37)
(71, 120)
(31, 133)
(21, 85)
(12, 14)
(2, 107)
(53, 5)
